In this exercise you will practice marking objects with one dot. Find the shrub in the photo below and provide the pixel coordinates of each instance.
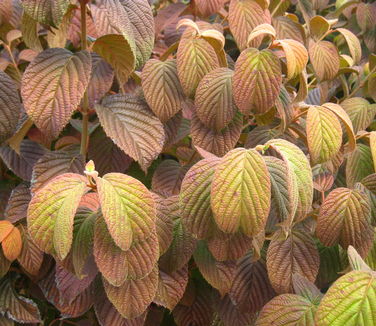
(189, 163)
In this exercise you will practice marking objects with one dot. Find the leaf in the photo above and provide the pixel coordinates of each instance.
(257, 81)
(230, 314)
(344, 218)
(108, 157)
(360, 112)
(283, 188)
(17, 308)
(52, 87)
(31, 257)
(296, 56)
(298, 165)
(287, 28)
(287, 309)
(128, 208)
(196, 213)
(356, 262)
(297, 253)
(168, 177)
(371, 257)
(325, 59)
(12, 245)
(243, 17)
(51, 212)
(18, 202)
(218, 274)
(49, 12)
(353, 43)
(171, 287)
(4, 264)
(5, 229)
(133, 297)
(195, 58)
(208, 7)
(22, 163)
(162, 89)
(318, 27)
(141, 19)
(218, 143)
(214, 102)
(350, 300)
(359, 165)
(167, 16)
(240, 192)
(30, 29)
(53, 164)
(251, 288)
(102, 77)
(128, 122)
(324, 134)
(10, 107)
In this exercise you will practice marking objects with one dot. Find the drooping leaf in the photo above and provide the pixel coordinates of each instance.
(128, 208)
(344, 218)
(297, 253)
(51, 212)
(214, 102)
(360, 111)
(257, 80)
(359, 164)
(49, 12)
(287, 309)
(244, 16)
(162, 89)
(218, 143)
(10, 107)
(324, 134)
(196, 213)
(133, 297)
(350, 300)
(325, 59)
(55, 163)
(353, 43)
(16, 307)
(18, 202)
(195, 58)
(128, 122)
(240, 192)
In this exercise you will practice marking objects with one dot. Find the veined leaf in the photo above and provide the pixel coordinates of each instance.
(359, 165)
(196, 213)
(318, 27)
(10, 107)
(133, 297)
(240, 192)
(162, 89)
(298, 164)
(18, 202)
(345, 218)
(5, 229)
(350, 300)
(243, 17)
(195, 58)
(128, 208)
(325, 59)
(324, 134)
(287, 309)
(218, 143)
(208, 7)
(52, 87)
(287, 28)
(128, 122)
(297, 253)
(4, 264)
(360, 111)
(214, 102)
(49, 12)
(353, 43)
(51, 212)
(12, 244)
(257, 81)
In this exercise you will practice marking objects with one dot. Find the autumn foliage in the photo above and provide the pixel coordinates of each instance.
(189, 163)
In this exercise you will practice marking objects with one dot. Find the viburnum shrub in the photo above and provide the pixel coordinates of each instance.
(188, 163)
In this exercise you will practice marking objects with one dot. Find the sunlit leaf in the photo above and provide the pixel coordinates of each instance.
(325, 59)
(12, 244)
(360, 111)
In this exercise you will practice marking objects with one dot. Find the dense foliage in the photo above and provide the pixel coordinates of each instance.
(190, 163)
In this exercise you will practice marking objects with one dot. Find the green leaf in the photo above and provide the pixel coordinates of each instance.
(324, 134)
(344, 218)
(257, 81)
(128, 208)
(127, 120)
(52, 87)
(351, 301)
(51, 212)
(360, 111)
(240, 192)
(359, 165)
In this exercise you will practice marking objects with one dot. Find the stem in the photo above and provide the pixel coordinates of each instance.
(85, 103)
(169, 51)
(13, 60)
